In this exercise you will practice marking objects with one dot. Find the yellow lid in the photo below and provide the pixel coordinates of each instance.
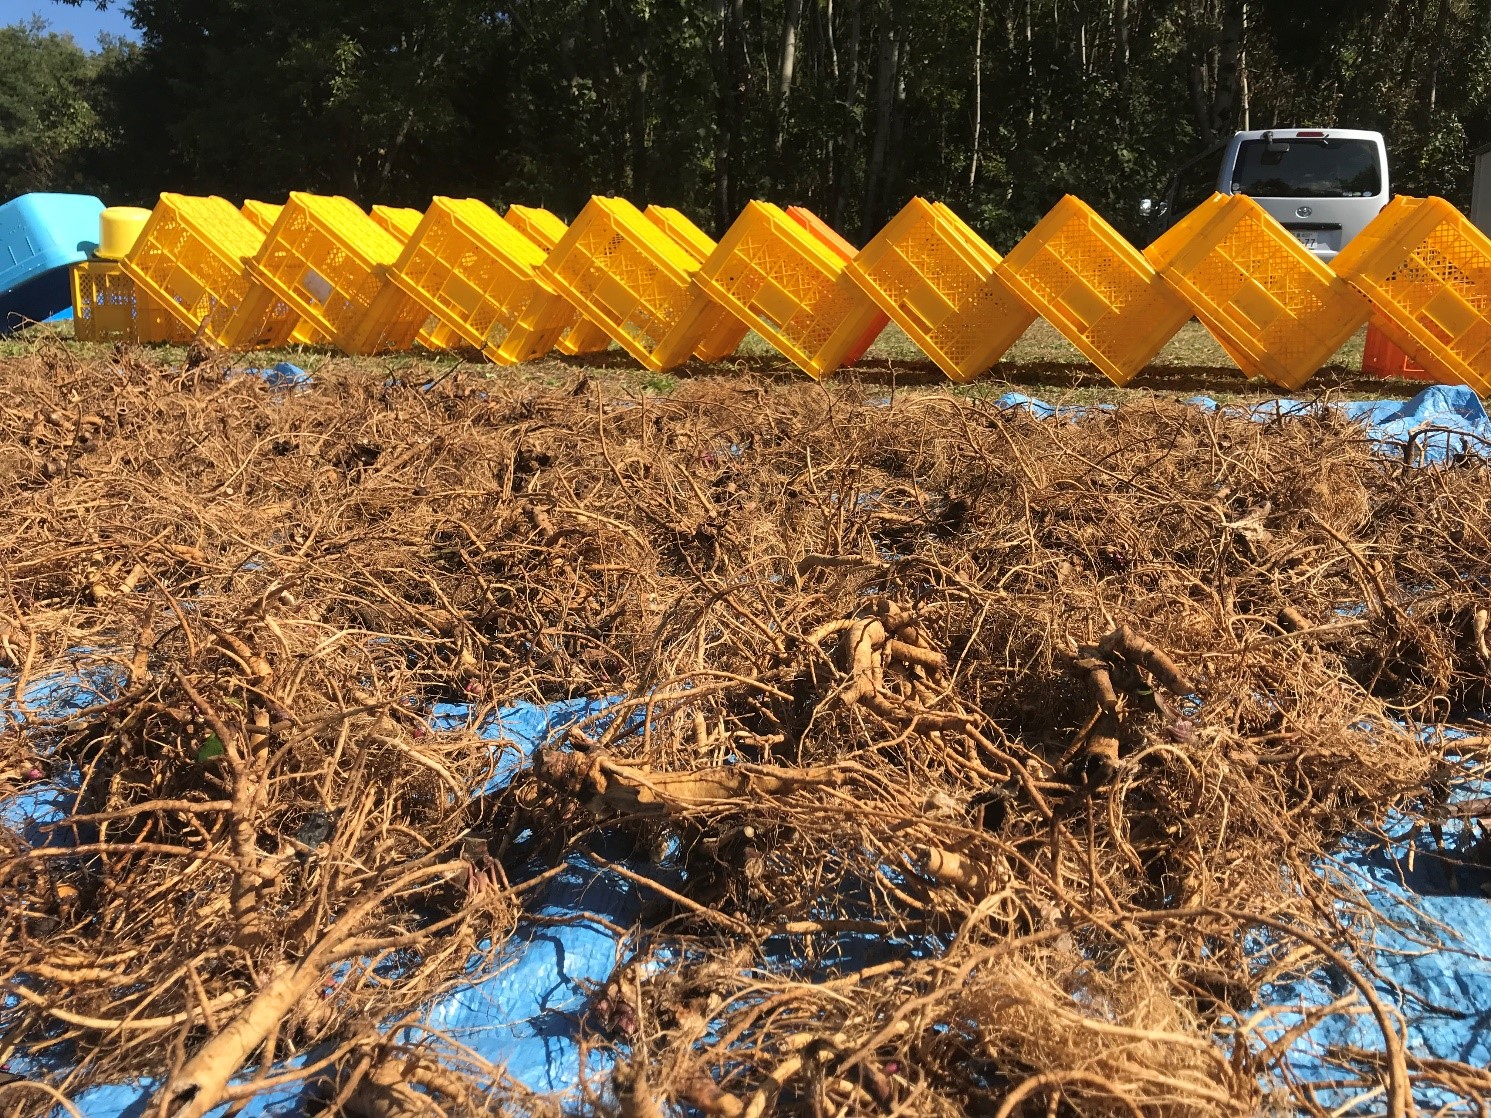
(118, 230)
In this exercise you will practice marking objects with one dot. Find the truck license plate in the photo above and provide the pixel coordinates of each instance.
(1308, 239)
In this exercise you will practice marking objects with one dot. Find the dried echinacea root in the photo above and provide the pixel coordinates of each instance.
(958, 761)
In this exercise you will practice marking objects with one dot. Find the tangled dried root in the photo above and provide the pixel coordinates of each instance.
(973, 763)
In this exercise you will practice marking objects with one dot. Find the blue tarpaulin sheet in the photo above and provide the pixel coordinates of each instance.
(1440, 423)
(282, 375)
(524, 1013)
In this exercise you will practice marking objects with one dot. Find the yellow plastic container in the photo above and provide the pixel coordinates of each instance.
(1096, 288)
(545, 230)
(724, 332)
(939, 281)
(537, 224)
(108, 307)
(118, 229)
(789, 287)
(1427, 271)
(846, 252)
(328, 261)
(103, 302)
(620, 271)
(189, 258)
(1276, 309)
(475, 272)
(400, 222)
(262, 214)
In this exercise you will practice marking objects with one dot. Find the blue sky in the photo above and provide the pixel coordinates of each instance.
(84, 22)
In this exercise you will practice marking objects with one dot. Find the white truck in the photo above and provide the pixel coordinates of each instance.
(1323, 185)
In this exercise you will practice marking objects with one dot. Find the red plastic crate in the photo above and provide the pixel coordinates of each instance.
(1385, 358)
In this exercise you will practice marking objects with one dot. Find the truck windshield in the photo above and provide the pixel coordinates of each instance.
(1308, 169)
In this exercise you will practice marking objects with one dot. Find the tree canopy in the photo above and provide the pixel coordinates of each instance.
(847, 106)
(48, 110)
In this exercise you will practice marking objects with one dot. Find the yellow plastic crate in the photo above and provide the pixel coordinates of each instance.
(108, 307)
(1096, 288)
(830, 239)
(475, 272)
(1276, 309)
(400, 222)
(619, 270)
(724, 332)
(545, 230)
(328, 260)
(789, 287)
(938, 280)
(582, 336)
(189, 259)
(1427, 270)
(262, 214)
(538, 225)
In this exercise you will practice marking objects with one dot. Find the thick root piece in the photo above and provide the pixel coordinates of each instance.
(956, 870)
(392, 1089)
(1099, 681)
(633, 1092)
(1136, 650)
(702, 1093)
(1099, 761)
(610, 787)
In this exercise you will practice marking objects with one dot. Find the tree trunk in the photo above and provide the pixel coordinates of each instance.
(1200, 109)
(786, 68)
(640, 184)
(828, 37)
(1030, 85)
(1438, 48)
(730, 78)
(885, 100)
(891, 173)
(978, 96)
(1224, 101)
(850, 145)
(1246, 122)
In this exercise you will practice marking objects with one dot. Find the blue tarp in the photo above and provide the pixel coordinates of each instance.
(282, 375)
(525, 1015)
(1440, 423)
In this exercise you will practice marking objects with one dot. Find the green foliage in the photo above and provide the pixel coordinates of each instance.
(660, 383)
(47, 116)
(996, 106)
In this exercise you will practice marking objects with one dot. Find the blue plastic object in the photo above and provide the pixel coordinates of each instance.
(1438, 425)
(283, 375)
(41, 236)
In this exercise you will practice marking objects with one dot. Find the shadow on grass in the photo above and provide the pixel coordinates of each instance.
(1069, 379)
(1051, 376)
